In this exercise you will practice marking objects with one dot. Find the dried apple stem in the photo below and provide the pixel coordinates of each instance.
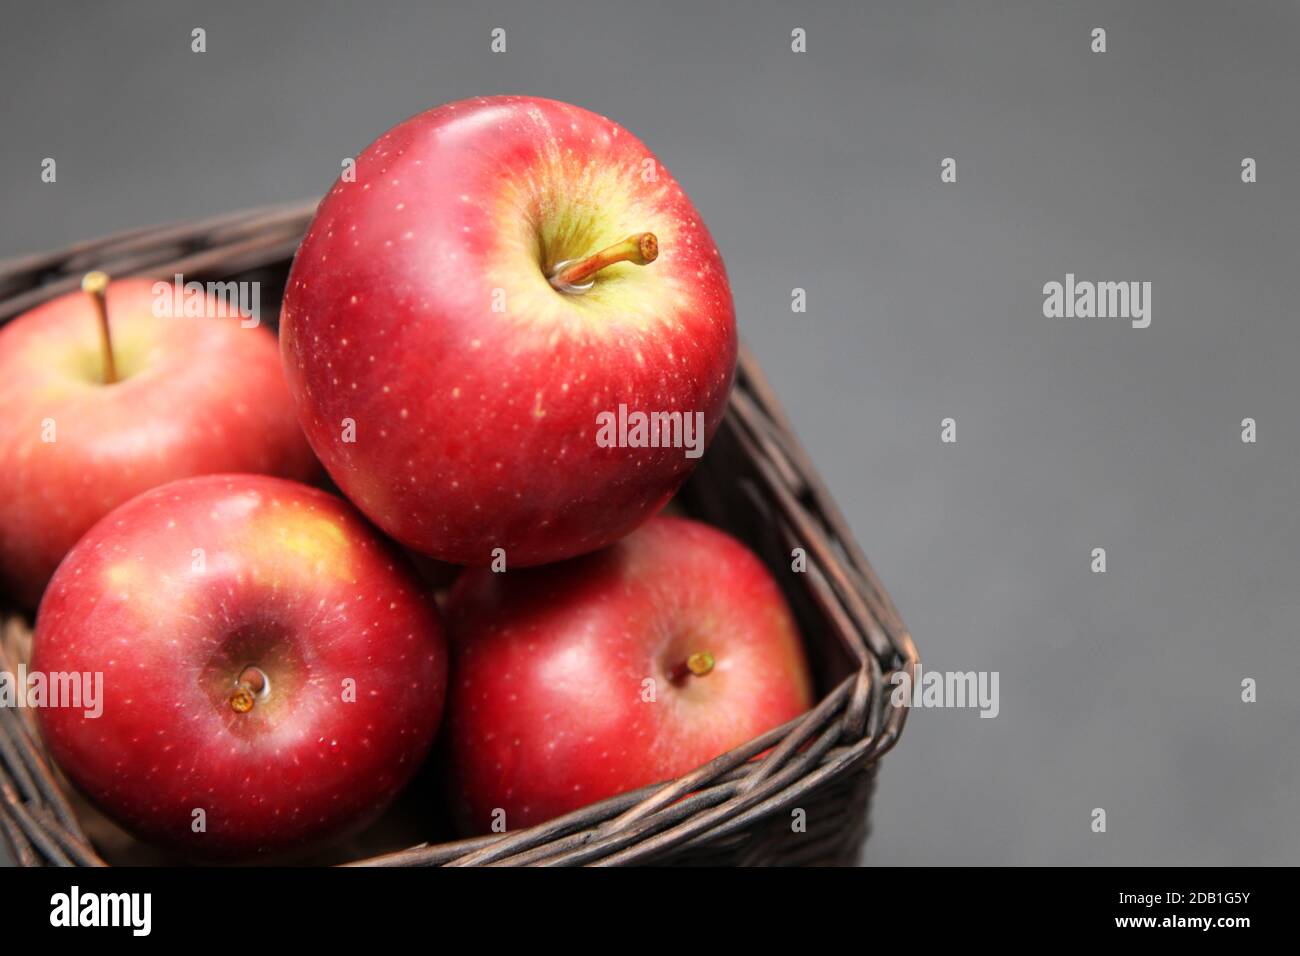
(252, 682)
(698, 664)
(642, 248)
(96, 285)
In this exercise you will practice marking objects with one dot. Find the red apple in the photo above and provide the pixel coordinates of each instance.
(578, 681)
(266, 659)
(451, 375)
(193, 396)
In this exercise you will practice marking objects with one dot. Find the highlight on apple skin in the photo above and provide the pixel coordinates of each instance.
(185, 396)
(500, 272)
(581, 680)
(271, 669)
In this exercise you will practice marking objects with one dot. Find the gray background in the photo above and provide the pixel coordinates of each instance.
(821, 170)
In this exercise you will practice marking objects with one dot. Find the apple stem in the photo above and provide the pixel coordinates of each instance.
(96, 284)
(254, 678)
(252, 684)
(641, 248)
(698, 664)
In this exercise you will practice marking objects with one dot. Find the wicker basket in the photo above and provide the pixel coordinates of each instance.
(755, 481)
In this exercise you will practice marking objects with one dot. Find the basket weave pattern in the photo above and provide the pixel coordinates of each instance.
(755, 481)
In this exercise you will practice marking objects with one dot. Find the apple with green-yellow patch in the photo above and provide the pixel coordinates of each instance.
(104, 398)
(500, 274)
(273, 672)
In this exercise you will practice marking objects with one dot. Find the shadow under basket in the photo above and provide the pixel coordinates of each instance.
(755, 481)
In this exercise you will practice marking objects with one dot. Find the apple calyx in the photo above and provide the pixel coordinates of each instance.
(95, 284)
(577, 275)
(698, 664)
(252, 686)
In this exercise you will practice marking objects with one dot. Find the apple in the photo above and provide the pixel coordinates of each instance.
(266, 659)
(462, 320)
(581, 680)
(93, 417)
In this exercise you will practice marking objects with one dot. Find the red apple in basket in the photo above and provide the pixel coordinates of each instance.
(585, 679)
(266, 659)
(90, 420)
(461, 322)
